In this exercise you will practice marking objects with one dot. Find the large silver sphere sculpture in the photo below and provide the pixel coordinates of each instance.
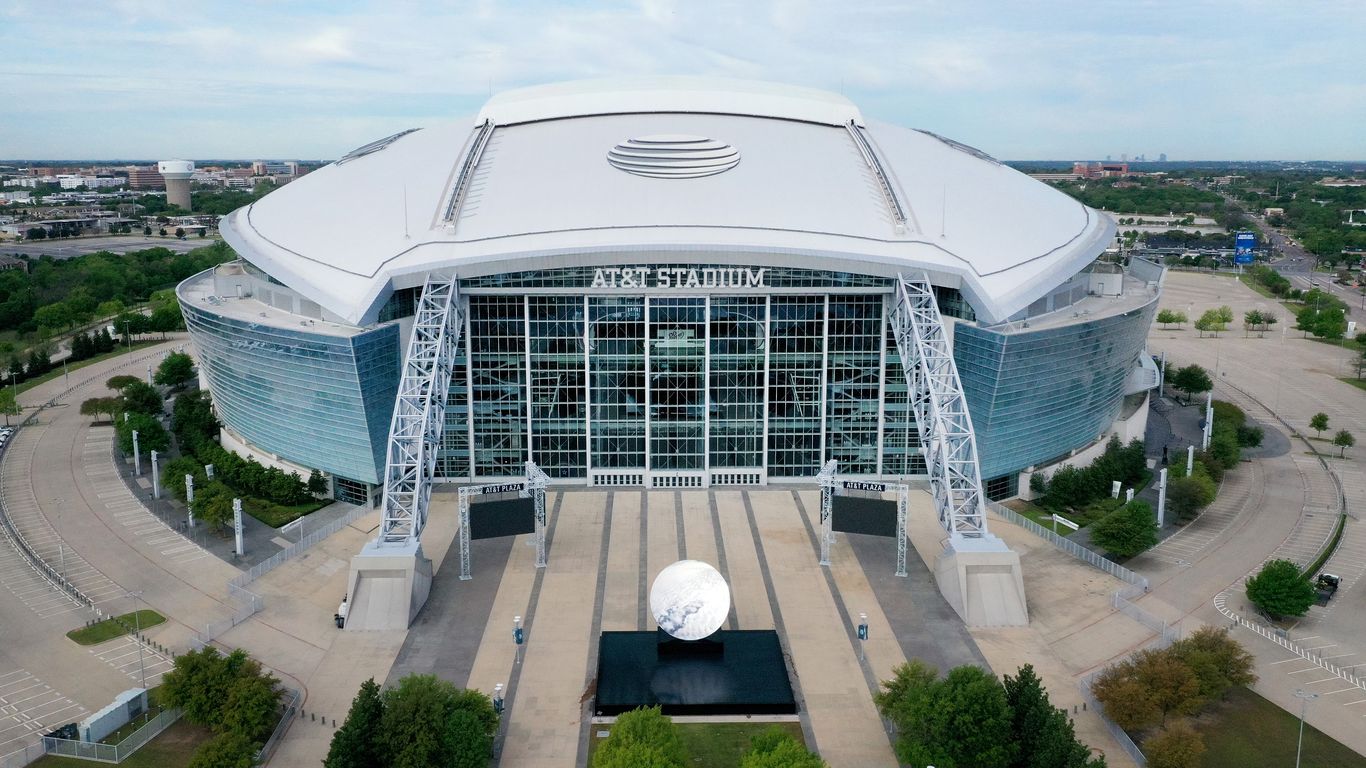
(690, 600)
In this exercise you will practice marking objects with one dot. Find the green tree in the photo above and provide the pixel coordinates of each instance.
(8, 406)
(1127, 531)
(213, 503)
(174, 471)
(357, 743)
(1170, 317)
(1344, 440)
(229, 749)
(1212, 321)
(141, 397)
(151, 435)
(56, 316)
(1044, 733)
(1319, 422)
(175, 370)
(1218, 661)
(198, 684)
(634, 755)
(960, 720)
(1175, 746)
(317, 484)
(97, 406)
(1143, 690)
(1279, 589)
(1188, 495)
(1192, 380)
(253, 706)
(417, 721)
(643, 727)
(776, 749)
(467, 743)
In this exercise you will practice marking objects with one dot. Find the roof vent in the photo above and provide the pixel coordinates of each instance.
(674, 156)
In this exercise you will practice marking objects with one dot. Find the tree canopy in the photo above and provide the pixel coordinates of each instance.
(643, 733)
(1127, 531)
(961, 720)
(1279, 589)
(176, 370)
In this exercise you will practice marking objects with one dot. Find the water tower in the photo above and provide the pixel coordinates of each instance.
(177, 174)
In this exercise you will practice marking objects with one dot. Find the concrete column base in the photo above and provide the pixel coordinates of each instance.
(387, 587)
(981, 579)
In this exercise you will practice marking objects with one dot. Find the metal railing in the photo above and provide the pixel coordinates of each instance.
(286, 718)
(111, 753)
(1122, 738)
(302, 545)
(1072, 548)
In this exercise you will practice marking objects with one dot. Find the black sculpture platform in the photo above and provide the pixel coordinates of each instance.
(733, 672)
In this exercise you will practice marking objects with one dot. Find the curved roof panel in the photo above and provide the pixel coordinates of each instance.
(804, 183)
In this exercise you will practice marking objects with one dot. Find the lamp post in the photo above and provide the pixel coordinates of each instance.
(1305, 697)
(137, 629)
(61, 545)
(862, 635)
(137, 455)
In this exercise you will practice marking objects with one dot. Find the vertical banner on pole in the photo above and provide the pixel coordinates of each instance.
(156, 480)
(1161, 498)
(827, 481)
(237, 523)
(137, 455)
(189, 497)
(1190, 460)
(208, 471)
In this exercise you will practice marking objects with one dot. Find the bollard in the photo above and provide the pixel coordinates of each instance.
(1083, 706)
(334, 722)
(312, 716)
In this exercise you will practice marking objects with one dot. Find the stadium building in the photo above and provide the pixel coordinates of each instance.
(667, 284)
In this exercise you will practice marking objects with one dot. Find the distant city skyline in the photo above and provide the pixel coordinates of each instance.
(1254, 80)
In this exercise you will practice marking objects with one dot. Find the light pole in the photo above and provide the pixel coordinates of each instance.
(1305, 697)
(61, 548)
(137, 629)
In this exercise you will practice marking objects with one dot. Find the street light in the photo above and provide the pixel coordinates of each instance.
(137, 629)
(61, 548)
(1305, 697)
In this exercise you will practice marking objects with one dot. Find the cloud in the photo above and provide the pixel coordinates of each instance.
(1016, 79)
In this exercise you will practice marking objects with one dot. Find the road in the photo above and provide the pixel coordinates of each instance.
(66, 249)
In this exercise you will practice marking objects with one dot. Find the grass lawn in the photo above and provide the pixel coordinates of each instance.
(72, 367)
(1032, 511)
(712, 745)
(171, 749)
(112, 628)
(1248, 731)
(276, 515)
(1358, 383)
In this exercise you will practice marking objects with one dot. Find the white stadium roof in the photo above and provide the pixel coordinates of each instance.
(700, 170)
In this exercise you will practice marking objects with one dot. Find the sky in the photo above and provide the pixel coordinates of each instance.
(1036, 79)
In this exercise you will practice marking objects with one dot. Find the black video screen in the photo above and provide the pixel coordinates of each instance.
(853, 514)
(507, 517)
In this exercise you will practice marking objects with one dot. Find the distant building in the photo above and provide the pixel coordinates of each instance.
(275, 168)
(72, 181)
(145, 177)
(1085, 170)
(1269, 212)
(12, 262)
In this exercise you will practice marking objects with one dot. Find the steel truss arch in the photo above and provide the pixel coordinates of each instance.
(420, 412)
(941, 410)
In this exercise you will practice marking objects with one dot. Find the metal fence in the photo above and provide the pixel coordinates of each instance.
(88, 750)
(286, 719)
(1072, 548)
(249, 603)
(294, 550)
(1125, 742)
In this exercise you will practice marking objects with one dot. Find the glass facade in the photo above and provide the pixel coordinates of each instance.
(1035, 395)
(319, 400)
(668, 388)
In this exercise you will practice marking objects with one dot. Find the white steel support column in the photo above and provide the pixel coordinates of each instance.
(706, 391)
(941, 410)
(825, 369)
(469, 388)
(903, 503)
(977, 573)
(587, 395)
(881, 385)
(419, 413)
(768, 353)
(395, 555)
(827, 481)
(536, 481)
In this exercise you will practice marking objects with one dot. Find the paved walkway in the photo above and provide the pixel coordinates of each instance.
(1292, 378)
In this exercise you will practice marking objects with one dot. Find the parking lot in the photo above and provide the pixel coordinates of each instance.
(66, 249)
(30, 707)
